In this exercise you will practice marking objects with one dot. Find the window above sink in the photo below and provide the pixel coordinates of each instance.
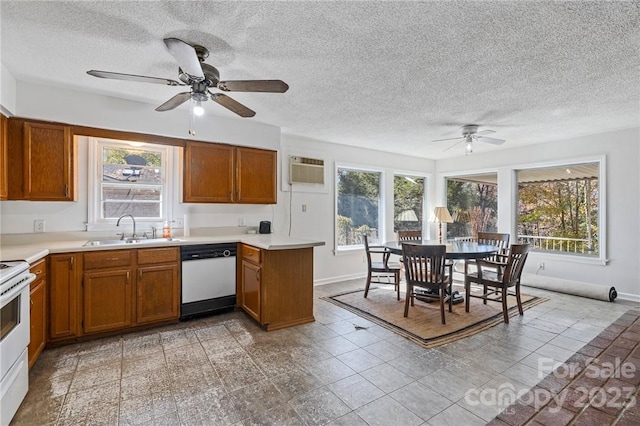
(129, 178)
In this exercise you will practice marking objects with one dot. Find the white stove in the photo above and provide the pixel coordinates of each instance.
(14, 336)
(9, 270)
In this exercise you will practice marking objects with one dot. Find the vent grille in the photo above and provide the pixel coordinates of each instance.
(306, 170)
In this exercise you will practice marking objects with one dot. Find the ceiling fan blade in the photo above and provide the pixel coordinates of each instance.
(454, 145)
(232, 105)
(177, 100)
(448, 139)
(485, 132)
(133, 77)
(186, 56)
(272, 86)
(492, 141)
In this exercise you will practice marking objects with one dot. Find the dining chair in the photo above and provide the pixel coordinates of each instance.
(379, 270)
(409, 235)
(496, 283)
(426, 269)
(496, 239)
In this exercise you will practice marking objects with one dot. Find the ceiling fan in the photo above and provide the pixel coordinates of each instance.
(201, 77)
(470, 134)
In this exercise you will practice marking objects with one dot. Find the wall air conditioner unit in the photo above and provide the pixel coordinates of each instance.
(306, 170)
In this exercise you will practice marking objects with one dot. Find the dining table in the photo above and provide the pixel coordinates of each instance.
(456, 250)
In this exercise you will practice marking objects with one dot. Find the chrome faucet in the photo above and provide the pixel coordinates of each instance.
(134, 225)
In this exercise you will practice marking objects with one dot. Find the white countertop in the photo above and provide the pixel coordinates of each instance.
(32, 251)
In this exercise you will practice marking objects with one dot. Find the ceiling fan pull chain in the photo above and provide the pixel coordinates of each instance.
(192, 120)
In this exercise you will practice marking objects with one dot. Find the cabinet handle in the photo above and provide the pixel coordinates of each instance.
(258, 274)
(140, 275)
(128, 276)
(37, 272)
(66, 190)
(71, 263)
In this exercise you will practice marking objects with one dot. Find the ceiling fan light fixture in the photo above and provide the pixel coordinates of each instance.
(198, 110)
(468, 148)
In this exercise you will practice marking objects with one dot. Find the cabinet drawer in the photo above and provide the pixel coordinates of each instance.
(107, 259)
(251, 254)
(158, 255)
(40, 269)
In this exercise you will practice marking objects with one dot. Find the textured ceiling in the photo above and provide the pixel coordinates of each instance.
(391, 76)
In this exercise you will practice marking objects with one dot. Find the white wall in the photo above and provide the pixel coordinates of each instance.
(318, 221)
(622, 151)
(7, 91)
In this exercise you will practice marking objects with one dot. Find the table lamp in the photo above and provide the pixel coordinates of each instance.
(407, 216)
(441, 215)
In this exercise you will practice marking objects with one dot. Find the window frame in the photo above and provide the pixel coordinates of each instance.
(601, 258)
(95, 222)
(381, 204)
(425, 205)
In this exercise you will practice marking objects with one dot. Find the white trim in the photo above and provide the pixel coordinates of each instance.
(94, 222)
(601, 258)
(567, 257)
(425, 211)
(381, 200)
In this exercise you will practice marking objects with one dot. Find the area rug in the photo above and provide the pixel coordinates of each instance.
(423, 325)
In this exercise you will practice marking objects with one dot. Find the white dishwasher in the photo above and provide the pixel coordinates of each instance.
(208, 279)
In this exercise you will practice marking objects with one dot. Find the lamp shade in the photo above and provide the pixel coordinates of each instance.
(441, 215)
(407, 216)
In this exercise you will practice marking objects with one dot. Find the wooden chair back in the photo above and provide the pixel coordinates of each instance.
(517, 257)
(495, 239)
(409, 235)
(424, 265)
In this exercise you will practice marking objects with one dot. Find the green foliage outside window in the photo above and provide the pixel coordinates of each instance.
(473, 207)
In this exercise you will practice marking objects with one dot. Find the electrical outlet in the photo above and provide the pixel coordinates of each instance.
(178, 222)
(304, 208)
(38, 225)
(541, 265)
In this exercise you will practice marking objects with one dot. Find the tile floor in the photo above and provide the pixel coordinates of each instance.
(225, 370)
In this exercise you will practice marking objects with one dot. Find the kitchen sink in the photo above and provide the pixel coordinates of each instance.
(135, 241)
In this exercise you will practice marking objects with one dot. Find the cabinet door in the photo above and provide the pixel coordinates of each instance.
(48, 162)
(251, 289)
(256, 182)
(107, 300)
(4, 182)
(158, 293)
(208, 173)
(63, 295)
(38, 315)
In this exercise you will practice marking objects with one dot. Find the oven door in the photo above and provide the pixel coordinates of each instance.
(14, 322)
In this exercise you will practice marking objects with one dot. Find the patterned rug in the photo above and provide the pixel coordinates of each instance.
(423, 325)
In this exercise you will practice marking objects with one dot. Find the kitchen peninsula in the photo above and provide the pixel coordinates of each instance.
(274, 280)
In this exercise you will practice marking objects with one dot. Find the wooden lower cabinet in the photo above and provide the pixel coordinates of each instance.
(275, 287)
(64, 295)
(98, 292)
(106, 300)
(158, 297)
(38, 311)
(250, 288)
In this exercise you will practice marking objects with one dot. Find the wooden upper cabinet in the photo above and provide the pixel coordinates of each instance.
(208, 173)
(256, 178)
(217, 173)
(48, 166)
(43, 161)
(4, 164)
